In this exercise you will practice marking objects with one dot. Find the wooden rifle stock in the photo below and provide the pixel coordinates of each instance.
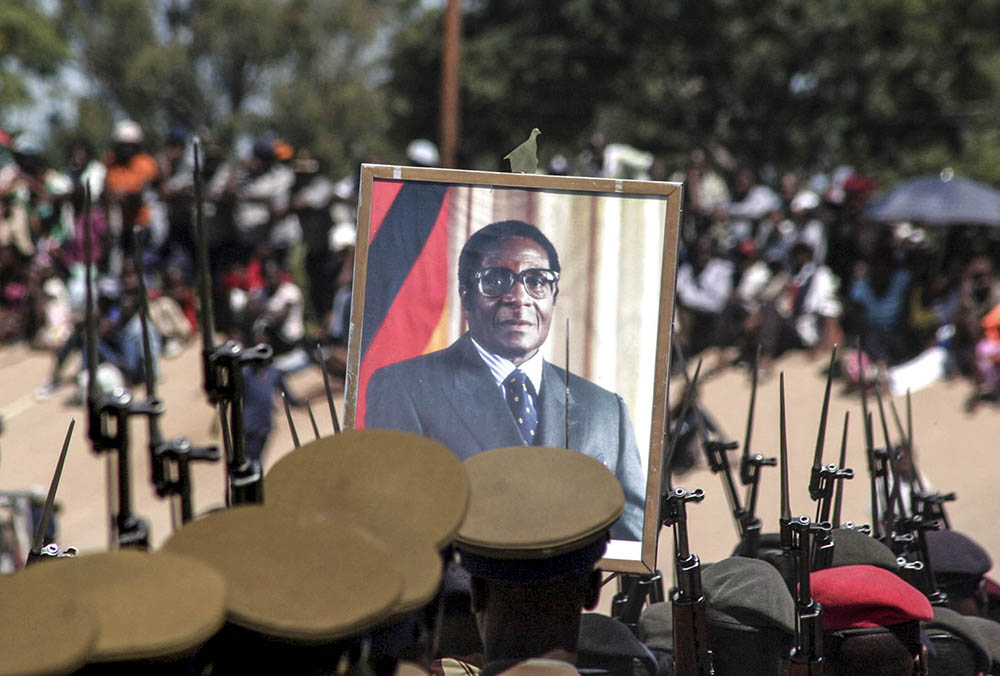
(691, 654)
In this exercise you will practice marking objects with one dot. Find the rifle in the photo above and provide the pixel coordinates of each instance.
(893, 477)
(692, 656)
(222, 371)
(922, 501)
(750, 465)
(823, 478)
(908, 533)
(797, 535)
(178, 451)
(874, 470)
(716, 454)
(107, 415)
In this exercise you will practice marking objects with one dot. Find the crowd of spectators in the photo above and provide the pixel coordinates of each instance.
(765, 269)
(765, 266)
(280, 237)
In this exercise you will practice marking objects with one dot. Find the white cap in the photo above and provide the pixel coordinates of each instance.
(127, 131)
(422, 152)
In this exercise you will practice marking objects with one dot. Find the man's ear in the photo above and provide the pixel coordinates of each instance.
(592, 593)
(463, 294)
(480, 592)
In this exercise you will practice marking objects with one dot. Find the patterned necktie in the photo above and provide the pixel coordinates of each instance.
(521, 399)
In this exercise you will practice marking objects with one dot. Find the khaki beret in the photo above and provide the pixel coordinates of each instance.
(391, 477)
(43, 632)
(290, 578)
(146, 605)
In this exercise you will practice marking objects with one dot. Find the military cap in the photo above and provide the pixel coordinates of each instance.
(750, 617)
(989, 635)
(958, 562)
(395, 478)
(147, 605)
(607, 645)
(537, 512)
(853, 548)
(656, 631)
(289, 579)
(866, 596)
(43, 633)
(749, 592)
(958, 647)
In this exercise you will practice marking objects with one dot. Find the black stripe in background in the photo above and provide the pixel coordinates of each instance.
(394, 250)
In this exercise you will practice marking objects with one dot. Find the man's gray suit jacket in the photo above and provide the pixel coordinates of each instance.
(451, 396)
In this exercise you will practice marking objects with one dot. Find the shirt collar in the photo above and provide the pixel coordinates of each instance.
(501, 368)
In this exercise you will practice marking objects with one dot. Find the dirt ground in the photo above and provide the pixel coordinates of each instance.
(954, 449)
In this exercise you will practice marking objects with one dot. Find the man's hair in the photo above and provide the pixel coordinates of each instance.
(489, 237)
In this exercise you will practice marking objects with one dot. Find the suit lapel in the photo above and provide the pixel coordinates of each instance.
(552, 425)
(477, 401)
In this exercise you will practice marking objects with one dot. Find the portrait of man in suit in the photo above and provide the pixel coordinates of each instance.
(492, 387)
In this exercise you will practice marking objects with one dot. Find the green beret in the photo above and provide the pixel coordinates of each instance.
(989, 636)
(956, 624)
(853, 548)
(750, 592)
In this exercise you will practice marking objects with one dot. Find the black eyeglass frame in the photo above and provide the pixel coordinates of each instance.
(512, 277)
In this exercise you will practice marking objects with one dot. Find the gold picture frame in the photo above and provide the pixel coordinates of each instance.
(617, 241)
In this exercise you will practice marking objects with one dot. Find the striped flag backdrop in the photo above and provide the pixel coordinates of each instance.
(408, 275)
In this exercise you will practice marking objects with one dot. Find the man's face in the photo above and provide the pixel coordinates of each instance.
(515, 324)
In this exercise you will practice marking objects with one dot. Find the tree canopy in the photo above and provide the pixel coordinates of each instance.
(893, 86)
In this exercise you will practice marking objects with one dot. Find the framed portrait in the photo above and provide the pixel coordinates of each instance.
(465, 281)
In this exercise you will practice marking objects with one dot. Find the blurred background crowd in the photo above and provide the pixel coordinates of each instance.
(799, 118)
(767, 262)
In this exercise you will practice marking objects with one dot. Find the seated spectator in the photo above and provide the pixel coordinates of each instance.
(880, 290)
(805, 315)
(987, 374)
(120, 340)
(277, 309)
(979, 292)
(703, 286)
(753, 279)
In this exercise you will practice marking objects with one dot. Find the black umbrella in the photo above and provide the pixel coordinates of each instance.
(938, 200)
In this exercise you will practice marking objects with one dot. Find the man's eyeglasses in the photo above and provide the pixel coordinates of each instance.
(496, 282)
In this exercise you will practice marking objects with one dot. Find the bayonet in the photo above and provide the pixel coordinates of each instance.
(43, 523)
(291, 423)
(312, 419)
(839, 499)
(328, 389)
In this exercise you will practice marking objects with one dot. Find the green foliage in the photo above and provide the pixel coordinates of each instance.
(791, 84)
(304, 69)
(30, 45)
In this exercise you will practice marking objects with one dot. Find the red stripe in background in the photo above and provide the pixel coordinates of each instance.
(383, 195)
(416, 310)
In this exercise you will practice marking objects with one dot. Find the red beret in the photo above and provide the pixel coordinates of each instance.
(866, 596)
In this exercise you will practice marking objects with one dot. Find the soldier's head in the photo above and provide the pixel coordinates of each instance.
(538, 522)
(871, 621)
(508, 279)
